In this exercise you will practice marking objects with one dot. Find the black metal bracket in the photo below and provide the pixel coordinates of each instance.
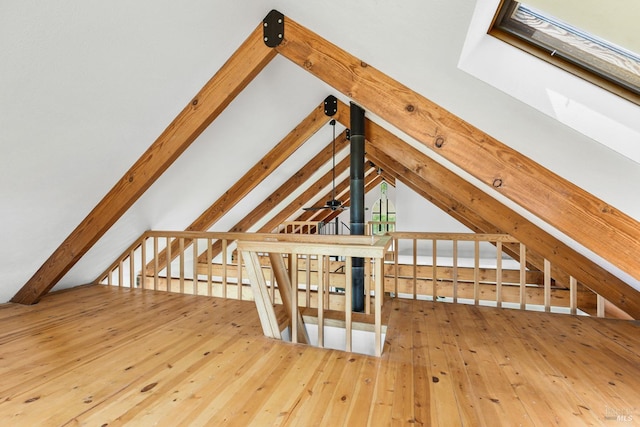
(273, 28)
(330, 105)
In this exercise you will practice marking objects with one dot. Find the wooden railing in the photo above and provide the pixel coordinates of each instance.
(481, 269)
(450, 267)
(249, 279)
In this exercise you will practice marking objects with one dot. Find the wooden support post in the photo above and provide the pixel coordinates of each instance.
(266, 312)
(286, 289)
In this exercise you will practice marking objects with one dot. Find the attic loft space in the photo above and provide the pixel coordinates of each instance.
(600, 51)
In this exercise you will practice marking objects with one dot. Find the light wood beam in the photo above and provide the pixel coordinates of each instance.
(300, 201)
(250, 58)
(580, 215)
(568, 260)
(457, 210)
(285, 288)
(254, 176)
(371, 181)
(282, 192)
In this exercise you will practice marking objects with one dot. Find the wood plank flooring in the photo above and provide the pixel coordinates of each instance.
(106, 356)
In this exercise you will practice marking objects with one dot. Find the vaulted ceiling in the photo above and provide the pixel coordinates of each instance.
(96, 131)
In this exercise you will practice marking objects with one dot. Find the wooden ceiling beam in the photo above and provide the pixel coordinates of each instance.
(458, 211)
(250, 58)
(580, 215)
(254, 176)
(371, 181)
(291, 185)
(308, 194)
(619, 293)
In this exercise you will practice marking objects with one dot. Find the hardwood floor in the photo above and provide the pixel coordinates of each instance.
(103, 356)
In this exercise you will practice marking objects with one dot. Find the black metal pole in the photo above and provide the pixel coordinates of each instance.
(357, 200)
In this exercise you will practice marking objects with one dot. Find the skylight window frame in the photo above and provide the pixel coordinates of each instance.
(521, 35)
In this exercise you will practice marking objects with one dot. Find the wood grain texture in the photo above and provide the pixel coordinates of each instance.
(578, 214)
(587, 272)
(282, 192)
(254, 176)
(250, 58)
(135, 357)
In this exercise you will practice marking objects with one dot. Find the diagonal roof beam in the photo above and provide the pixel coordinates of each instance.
(299, 202)
(213, 98)
(456, 210)
(282, 192)
(254, 176)
(372, 180)
(575, 212)
(382, 142)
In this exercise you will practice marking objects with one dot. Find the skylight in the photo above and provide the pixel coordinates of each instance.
(613, 67)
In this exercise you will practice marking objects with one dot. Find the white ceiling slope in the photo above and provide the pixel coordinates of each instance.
(86, 87)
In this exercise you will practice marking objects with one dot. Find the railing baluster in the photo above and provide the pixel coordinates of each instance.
(195, 266)
(499, 273)
(321, 273)
(239, 276)
(476, 272)
(210, 266)
(225, 251)
(120, 272)
(132, 268)
(169, 258)
(379, 295)
(395, 263)
(348, 295)
(367, 285)
(547, 285)
(523, 276)
(415, 269)
(308, 282)
(156, 266)
(573, 295)
(293, 277)
(181, 275)
(143, 270)
(455, 271)
(434, 269)
(600, 306)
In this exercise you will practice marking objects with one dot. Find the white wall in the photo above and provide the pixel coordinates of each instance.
(86, 87)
